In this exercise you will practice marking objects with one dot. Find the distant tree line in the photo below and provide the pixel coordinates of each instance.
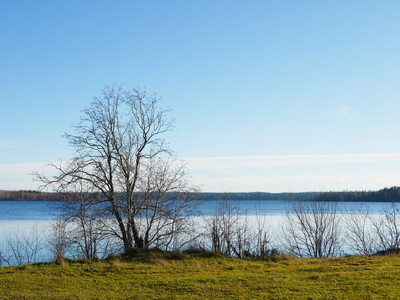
(391, 194)
(385, 195)
(29, 195)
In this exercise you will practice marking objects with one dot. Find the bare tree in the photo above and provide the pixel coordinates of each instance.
(165, 202)
(85, 221)
(219, 226)
(312, 229)
(229, 229)
(359, 230)
(57, 238)
(121, 154)
(4, 257)
(24, 248)
(262, 236)
(387, 227)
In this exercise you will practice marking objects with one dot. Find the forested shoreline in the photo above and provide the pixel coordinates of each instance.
(28, 195)
(391, 194)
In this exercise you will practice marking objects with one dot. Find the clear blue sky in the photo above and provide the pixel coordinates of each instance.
(267, 95)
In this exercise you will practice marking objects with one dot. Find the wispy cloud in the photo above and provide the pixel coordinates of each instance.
(11, 144)
(342, 110)
(296, 173)
(299, 183)
(285, 160)
(223, 173)
(18, 176)
(236, 174)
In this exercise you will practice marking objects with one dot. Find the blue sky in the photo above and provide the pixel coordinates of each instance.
(268, 95)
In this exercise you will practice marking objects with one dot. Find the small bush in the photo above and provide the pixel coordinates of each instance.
(394, 251)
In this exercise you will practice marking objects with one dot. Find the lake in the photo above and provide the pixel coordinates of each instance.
(17, 218)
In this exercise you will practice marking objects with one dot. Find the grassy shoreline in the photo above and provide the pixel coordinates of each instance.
(157, 275)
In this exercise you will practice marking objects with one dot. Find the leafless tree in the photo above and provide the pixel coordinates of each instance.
(229, 229)
(121, 154)
(84, 219)
(4, 257)
(312, 229)
(233, 233)
(165, 203)
(360, 237)
(23, 247)
(262, 236)
(57, 238)
(387, 227)
(219, 226)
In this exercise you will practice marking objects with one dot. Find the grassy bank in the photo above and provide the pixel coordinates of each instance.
(156, 275)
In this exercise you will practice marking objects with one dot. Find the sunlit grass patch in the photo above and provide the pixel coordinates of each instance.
(161, 276)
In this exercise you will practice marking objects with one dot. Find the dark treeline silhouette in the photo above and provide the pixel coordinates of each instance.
(391, 194)
(28, 195)
(385, 195)
(24, 195)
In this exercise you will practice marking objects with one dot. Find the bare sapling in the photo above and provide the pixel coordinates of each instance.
(23, 248)
(360, 237)
(387, 227)
(311, 229)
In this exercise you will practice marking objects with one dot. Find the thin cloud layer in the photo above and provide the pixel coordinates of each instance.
(286, 160)
(290, 173)
(342, 110)
(296, 173)
(10, 144)
(18, 176)
(299, 183)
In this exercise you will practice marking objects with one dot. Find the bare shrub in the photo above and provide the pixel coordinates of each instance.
(221, 227)
(387, 227)
(232, 234)
(311, 229)
(360, 237)
(262, 235)
(57, 238)
(23, 248)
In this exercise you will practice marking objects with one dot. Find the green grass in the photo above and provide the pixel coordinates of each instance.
(158, 275)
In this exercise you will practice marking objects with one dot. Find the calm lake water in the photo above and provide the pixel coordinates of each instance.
(17, 218)
(20, 212)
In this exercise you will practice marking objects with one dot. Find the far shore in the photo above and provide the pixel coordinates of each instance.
(391, 194)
